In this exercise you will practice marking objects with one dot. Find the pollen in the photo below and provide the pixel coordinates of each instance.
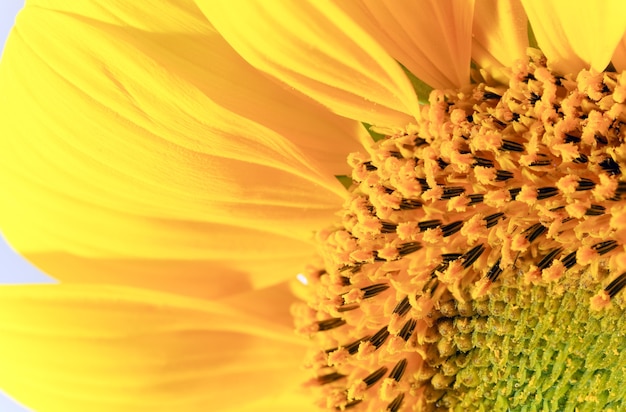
(478, 263)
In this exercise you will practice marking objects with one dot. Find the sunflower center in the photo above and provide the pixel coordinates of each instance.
(480, 255)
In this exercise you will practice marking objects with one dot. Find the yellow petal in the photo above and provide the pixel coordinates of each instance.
(577, 34)
(129, 144)
(500, 35)
(619, 57)
(225, 77)
(322, 51)
(431, 38)
(248, 265)
(103, 348)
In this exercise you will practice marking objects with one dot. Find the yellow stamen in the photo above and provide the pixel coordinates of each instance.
(476, 262)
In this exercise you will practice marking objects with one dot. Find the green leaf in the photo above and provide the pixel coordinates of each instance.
(375, 136)
(346, 181)
(532, 41)
(421, 88)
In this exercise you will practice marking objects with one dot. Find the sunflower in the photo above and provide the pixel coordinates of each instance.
(175, 166)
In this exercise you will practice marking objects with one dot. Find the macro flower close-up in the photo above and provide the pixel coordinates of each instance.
(364, 205)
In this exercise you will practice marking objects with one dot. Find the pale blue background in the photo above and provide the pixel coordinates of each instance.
(13, 269)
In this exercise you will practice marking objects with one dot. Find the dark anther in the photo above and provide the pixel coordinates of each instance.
(347, 308)
(452, 228)
(373, 290)
(595, 210)
(476, 198)
(388, 190)
(495, 271)
(329, 378)
(547, 259)
(546, 192)
(442, 163)
(379, 337)
(516, 117)
(492, 220)
(424, 185)
(350, 405)
(585, 184)
(369, 166)
(418, 141)
(432, 283)
(535, 231)
(490, 95)
(558, 80)
(449, 257)
(375, 376)
(503, 175)
(569, 138)
(407, 330)
(541, 163)
(601, 139)
(469, 118)
(345, 281)
(621, 188)
(616, 285)
(328, 324)
(569, 260)
(395, 154)
(604, 247)
(511, 146)
(402, 307)
(534, 98)
(353, 347)
(395, 405)
(398, 370)
(582, 158)
(472, 255)
(354, 269)
(408, 248)
(514, 192)
(407, 204)
(429, 224)
(452, 191)
(388, 227)
(528, 77)
(610, 166)
(481, 161)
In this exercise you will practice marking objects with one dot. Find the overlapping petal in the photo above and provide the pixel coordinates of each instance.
(431, 38)
(500, 35)
(577, 34)
(103, 348)
(147, 138)
(619, 56)
(321, 50)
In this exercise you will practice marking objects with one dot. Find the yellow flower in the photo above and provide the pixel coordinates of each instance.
(171, 164)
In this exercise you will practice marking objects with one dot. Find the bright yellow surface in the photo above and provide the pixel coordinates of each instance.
(137, 141)
(500, 35)
(431, 38)
(104, 348)
(577, 34)
(321, 50)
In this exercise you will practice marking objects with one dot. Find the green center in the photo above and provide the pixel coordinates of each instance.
(536, 349)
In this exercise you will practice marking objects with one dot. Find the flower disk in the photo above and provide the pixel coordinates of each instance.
(480, 256)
